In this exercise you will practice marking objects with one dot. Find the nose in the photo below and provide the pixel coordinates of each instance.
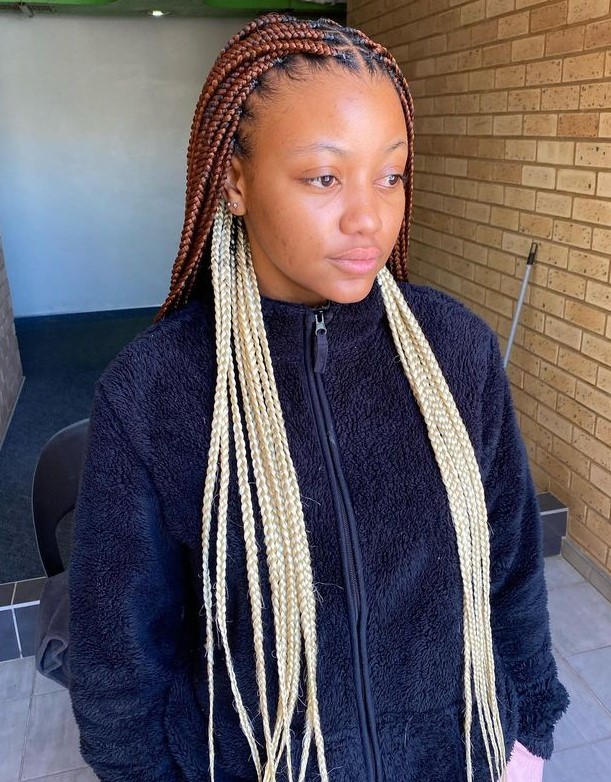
(361, 212)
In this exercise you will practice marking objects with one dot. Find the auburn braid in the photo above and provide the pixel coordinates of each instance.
(263, 44)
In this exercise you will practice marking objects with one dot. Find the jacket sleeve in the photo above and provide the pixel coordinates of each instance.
(520, 622)
(127, 594)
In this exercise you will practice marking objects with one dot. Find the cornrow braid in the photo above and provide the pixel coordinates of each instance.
(247, 415)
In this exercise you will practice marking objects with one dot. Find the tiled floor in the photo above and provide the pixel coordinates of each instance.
(39, 739)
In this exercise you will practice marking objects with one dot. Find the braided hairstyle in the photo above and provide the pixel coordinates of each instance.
(248, 428)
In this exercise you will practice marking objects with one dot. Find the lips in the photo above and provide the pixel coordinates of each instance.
(358, 261)
(359, 254)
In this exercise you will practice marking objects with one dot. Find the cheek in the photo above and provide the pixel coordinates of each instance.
(270, 222)
(301, 232)
(395, 221)
(285, 245)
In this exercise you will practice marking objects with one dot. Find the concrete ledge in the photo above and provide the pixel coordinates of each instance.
(593, 573)
(555, 519)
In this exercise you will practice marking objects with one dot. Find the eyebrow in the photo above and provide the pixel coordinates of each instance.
(335, 150)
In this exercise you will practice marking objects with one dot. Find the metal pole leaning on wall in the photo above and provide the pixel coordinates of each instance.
(516, 315)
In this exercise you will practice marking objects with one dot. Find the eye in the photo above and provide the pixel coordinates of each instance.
(325, 181)
(392, 180)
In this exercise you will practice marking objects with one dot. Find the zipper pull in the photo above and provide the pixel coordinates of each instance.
(321, 347)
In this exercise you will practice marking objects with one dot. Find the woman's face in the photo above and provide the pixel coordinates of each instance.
(321, 191)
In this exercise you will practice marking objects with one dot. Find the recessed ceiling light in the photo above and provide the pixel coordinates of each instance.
(157, 13)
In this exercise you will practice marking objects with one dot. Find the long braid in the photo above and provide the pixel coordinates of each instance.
(462, 479)
(294, 514)
(289, 564)
(247, 413)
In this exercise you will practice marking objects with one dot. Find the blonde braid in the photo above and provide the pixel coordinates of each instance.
(241, 341)
(294, 517)
(462, 478)
(279, 567)
(289, 493)
(219, 451)
(275, 434)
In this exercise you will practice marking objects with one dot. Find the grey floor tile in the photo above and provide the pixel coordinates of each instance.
(27, 624)
(9, 647)
(589, 763)
(559, 573)
(595, 668)
(16, 679)
(12, 737)
(580, 619)
(29, 591)
(78, 775)
(586, 719)
(43, 684)
(6, 593)
(52, 743)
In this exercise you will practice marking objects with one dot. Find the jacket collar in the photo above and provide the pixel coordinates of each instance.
(289, 325)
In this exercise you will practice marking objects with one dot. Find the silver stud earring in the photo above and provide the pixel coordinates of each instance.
(234, 204)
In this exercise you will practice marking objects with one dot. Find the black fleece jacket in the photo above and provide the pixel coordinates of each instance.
(382, 543)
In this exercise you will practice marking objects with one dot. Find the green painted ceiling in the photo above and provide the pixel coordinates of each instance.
(209, 8)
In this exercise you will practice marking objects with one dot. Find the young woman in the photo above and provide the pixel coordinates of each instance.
(307, 541)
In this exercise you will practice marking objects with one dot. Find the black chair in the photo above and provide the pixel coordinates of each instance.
(54, 493)
(55, 489)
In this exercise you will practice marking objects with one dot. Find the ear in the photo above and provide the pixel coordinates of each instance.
(235, 187)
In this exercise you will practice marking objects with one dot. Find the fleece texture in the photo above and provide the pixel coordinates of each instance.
(137, 628)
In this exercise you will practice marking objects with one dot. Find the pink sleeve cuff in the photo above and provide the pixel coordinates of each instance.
(523, 766)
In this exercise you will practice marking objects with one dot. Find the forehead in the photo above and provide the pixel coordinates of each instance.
(352, 107)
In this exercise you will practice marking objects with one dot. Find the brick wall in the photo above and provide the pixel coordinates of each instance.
(513, 142)
(10, 363)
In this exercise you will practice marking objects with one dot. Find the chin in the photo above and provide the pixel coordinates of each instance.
(351, 291)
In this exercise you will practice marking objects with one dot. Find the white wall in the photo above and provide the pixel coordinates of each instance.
(94, 124)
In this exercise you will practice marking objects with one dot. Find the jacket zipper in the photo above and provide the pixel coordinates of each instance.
(316, 352)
